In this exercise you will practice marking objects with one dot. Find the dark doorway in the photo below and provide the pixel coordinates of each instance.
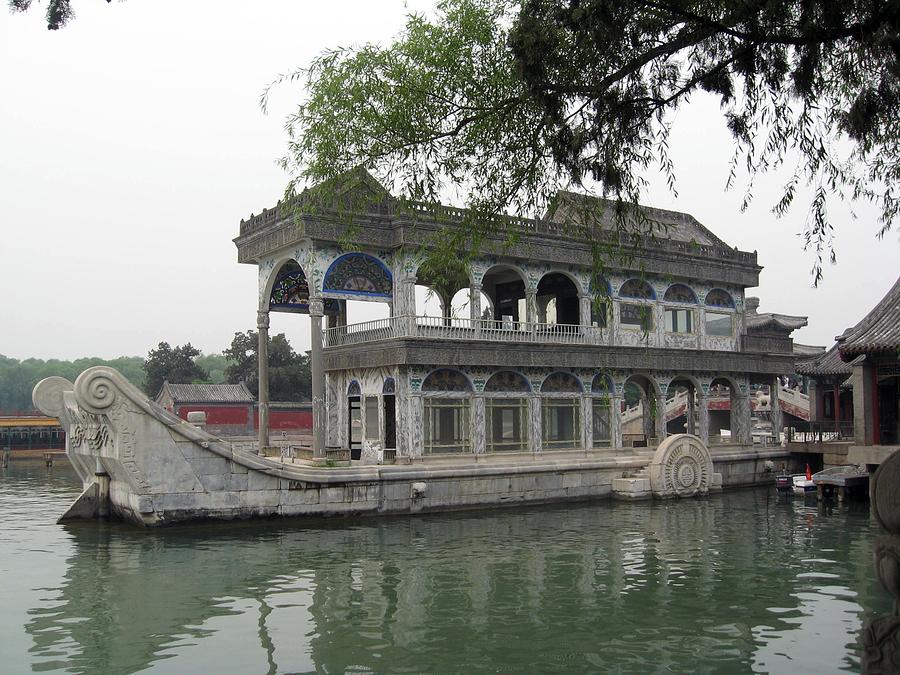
(354, 405)
(390, 421)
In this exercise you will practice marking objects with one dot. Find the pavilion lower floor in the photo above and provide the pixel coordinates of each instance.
(387, 412)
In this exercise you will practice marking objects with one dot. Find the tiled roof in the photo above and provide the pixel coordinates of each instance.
(665, 224)
(769, 320)
(207, 393)
(829, 363)
(879, 330)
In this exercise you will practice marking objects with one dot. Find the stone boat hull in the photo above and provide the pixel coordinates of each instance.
(141, 464)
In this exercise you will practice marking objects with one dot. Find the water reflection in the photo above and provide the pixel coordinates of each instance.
(736, 583)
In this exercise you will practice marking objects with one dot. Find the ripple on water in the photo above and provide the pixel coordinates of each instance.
(728, 584)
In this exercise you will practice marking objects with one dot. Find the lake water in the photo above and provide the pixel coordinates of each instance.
(735, 583)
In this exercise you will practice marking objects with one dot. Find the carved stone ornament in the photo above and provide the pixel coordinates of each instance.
(681, 467)
(881, 646)
(47, 395)
(885, 495)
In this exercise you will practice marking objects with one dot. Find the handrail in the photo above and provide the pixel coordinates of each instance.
(455, 328)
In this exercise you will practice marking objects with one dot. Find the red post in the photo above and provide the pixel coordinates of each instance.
(837, 408)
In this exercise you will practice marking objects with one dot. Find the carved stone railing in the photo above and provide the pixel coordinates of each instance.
(442, 328)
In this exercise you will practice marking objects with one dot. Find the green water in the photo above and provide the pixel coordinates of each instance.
(735, 583)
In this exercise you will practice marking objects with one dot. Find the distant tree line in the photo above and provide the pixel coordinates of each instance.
(289, 374)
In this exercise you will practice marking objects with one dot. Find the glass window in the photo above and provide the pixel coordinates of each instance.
(446, 425)
(372, 418)
(718, 324)
(561, 417)
(507, 424)
(601, 422)
(636, 315)
(679, 320)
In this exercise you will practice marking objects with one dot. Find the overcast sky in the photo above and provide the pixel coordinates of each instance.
(132, 144)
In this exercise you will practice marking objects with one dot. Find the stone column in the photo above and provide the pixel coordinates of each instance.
(703, 421)
(587, 421)
(262, 352)
(740, 418)
(616, 421)
(661, 432)
(318, 378)
(690, 412)
(475, 302)
(536, 426)
(775, 405)
(584, 310)
(408, 304)
(479, 431)
(531, 313)
(864, 400)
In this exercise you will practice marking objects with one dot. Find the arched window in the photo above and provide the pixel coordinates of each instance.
(358, 274)
(353, 389)
(638, 289)
(634, 315)
(389, 386)
(680, 319)
(721, 323)
(447, 408)
(561, 411)
(601, 410)
(506, 412)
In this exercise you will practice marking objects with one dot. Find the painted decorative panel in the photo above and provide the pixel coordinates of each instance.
(637, 288)
(359, 274)
(719, 298)
(680, 293)
(446, 379)
(561, 382)
(602, 384)
(507, 380)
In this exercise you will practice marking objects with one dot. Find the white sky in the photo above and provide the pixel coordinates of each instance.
(132, 144)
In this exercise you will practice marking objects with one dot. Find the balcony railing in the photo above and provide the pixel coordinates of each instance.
(443, 328)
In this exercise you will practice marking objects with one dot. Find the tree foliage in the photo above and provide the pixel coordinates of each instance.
(175, 364)
(17, 378)
(59, 12)
(509, 102)
(289, 372)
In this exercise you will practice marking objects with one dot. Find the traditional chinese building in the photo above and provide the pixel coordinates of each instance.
(531, 351)
(855, 386)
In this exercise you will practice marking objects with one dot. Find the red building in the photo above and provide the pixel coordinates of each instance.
(231, 409)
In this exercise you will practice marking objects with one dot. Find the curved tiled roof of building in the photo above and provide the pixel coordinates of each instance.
(879, 330)
(208, 393)
(828, 363)
(770, 320)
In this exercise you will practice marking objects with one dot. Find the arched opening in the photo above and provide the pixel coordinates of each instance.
(354, 419)
(681, 407)
(561, 411)
(557, 300)
(506, 412)
(602, 389)
(722, 411)
(437, 288)
(447, 397)
(389, 398)
(505, 288)
(639, 412)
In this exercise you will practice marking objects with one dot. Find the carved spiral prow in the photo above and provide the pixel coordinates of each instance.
(97, 388)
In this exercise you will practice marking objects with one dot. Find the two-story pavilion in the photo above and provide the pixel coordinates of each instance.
(523, 357)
